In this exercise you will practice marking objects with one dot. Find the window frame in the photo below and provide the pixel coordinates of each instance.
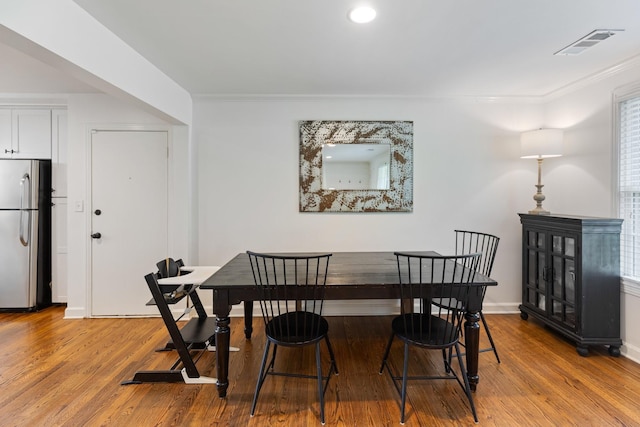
(630, 285)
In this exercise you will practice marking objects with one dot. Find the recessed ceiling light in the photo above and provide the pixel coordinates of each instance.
(362, 15)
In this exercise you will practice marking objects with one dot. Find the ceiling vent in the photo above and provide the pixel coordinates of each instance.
(591, 39)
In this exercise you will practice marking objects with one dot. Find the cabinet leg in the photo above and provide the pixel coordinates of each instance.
(614, 350)
(523, 315)
(582, 350)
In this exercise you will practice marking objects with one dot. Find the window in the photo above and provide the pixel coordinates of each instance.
(383, 177)
(629, 185)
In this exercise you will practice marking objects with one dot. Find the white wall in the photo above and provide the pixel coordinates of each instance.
(587, 170)
(102, 111)
(467, 174)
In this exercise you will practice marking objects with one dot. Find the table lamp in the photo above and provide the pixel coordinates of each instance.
(539, 144)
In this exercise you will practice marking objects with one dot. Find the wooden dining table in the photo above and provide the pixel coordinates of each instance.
(351, 275)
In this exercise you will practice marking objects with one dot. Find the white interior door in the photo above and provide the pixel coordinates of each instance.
(129, 211)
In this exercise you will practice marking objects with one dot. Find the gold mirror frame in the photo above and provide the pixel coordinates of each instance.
(315, 133)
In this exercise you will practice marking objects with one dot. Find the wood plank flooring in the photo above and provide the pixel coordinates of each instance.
(56, 372)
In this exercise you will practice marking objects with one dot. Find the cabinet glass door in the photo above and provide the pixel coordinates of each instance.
(535, 286)
(562, 280)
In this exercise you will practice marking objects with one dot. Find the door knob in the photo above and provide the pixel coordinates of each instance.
(97, 212)
(96, 235)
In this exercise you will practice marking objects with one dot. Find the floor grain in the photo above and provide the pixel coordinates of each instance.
(57, 372)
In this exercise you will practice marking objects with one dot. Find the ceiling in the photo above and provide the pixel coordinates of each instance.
(421, 48)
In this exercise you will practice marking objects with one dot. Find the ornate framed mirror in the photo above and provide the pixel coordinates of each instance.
(356, 166)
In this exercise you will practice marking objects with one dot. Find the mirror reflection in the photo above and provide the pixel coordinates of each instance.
(356, 166)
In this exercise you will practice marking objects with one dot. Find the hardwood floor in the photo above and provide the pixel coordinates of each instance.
(57, 372)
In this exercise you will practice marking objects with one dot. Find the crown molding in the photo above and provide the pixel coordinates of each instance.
(474, 99)
(626, 65)
(34, 99)
(466, 99)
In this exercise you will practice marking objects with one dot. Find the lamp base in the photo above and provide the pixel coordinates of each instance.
(539, 197)
(539, 211)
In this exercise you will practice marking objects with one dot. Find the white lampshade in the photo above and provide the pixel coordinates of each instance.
(541, 143)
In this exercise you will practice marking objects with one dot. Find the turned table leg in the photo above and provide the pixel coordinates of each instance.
(472, 344)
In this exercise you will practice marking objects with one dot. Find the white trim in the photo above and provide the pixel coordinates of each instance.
(501, 308)
(630, 286)
(90, 130)
(593, 78)
(615, 153)
(619, 95)
(75, 313)
(631, 352)
(57, 100)
(469, 99)
(379, 307)
(533, 99)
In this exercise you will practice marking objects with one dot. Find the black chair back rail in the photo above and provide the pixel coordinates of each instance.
(487, 244)
(468, 242)
(291, 295)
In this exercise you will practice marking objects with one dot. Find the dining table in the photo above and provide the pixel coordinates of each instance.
(351, 276)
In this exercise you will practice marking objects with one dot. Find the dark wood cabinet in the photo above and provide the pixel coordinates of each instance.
(571, 277)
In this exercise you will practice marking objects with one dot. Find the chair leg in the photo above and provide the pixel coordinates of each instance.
(333, 358)
(486, 328)
(467, 387)
(386, 354)
(405, 371)
(320, 388)
(273, 356)
(446, 357)
(262, 375)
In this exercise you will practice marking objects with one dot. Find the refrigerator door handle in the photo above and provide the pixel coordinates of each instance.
(25, 186)
(25, 226)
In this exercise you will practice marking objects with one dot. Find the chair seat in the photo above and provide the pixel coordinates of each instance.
(424, 330)
(297, 328)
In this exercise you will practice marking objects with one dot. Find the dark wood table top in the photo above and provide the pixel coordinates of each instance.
(347, 270)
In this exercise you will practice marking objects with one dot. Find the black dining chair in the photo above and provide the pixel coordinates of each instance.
(487, 244)
(432, 327)
(291, 294)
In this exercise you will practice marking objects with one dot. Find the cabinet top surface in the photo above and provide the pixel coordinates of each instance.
(573, 222)
(568, 217)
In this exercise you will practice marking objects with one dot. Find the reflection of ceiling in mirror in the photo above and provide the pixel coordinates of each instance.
(356, 166)
(354, 152)
(398, 135)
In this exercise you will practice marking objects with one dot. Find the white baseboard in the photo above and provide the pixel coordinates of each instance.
(75, 313)
(501, 308)
(630, 352)
(374, 307)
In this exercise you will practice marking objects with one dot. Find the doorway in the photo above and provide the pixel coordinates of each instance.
(129, 220)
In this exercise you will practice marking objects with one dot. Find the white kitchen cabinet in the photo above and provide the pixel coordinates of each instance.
(59, 205)
(59, 152)
(30, 131)
(59, 250)
(5, 133)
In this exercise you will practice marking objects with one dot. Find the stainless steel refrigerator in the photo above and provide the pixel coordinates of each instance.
(25, 234)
